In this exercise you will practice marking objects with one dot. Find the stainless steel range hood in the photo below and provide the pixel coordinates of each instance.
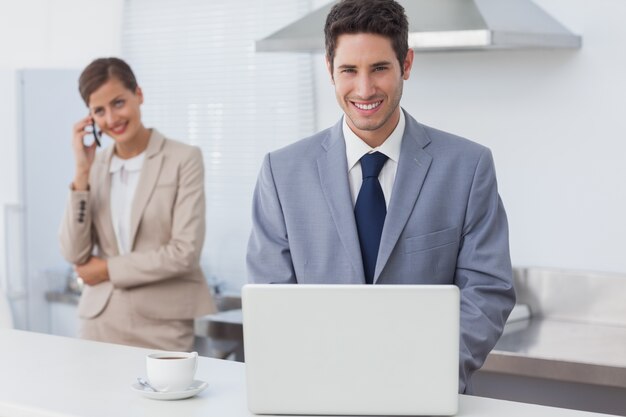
(440, 25)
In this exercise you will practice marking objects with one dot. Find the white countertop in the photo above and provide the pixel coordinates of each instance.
(44, 375)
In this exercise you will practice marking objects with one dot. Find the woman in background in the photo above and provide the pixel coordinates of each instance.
(135, 222)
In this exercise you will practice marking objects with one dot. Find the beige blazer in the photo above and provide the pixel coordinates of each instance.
(161, 274)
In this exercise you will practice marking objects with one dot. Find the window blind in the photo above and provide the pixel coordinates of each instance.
(204, 84)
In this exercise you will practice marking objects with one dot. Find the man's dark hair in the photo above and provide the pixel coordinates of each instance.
(380, 17)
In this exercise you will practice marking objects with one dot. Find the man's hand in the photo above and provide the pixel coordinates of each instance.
(94, 271)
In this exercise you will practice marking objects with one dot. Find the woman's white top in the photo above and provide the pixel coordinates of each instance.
(124, 179)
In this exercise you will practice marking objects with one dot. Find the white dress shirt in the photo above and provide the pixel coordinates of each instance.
(356, 148)
(124, 179)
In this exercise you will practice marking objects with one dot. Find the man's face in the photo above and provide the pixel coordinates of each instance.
(368, 84)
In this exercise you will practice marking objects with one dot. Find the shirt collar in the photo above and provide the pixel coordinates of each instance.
(356, 147)
(131, 164)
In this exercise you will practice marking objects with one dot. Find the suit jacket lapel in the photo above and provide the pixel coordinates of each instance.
(333, 171)
(103, 200)
(412, 169)
(147, 181)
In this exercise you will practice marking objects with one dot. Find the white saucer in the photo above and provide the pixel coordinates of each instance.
(196, 387)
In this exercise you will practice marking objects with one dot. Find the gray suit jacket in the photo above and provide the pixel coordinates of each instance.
(445, 225)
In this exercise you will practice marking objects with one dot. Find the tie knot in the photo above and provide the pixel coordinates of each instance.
(372, 163)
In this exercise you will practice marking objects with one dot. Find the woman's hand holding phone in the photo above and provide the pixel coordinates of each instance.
(84, 155)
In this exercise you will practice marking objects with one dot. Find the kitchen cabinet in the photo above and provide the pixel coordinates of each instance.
(570, 353)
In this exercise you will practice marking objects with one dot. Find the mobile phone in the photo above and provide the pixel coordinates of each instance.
(96, 134)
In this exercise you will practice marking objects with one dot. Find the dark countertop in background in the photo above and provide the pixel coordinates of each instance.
(562, 350)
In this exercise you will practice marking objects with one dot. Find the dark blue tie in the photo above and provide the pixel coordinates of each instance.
(370, 211)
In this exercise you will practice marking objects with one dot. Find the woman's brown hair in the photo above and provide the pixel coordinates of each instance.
(102, 70)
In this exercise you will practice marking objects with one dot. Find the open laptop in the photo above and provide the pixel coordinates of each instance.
(352, 349)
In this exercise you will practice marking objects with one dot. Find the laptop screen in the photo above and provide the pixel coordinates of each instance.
(352, 349)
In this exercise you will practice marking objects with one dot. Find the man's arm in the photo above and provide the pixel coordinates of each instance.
(269, 258)
(484, 274)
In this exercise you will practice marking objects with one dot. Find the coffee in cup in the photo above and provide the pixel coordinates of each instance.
(171, 371)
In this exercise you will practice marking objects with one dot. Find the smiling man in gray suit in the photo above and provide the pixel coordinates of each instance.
(380, 198)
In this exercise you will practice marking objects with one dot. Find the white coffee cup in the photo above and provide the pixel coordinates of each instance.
(171, 371)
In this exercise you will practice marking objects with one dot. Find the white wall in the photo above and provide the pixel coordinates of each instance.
(8, 156)
(556, 123)
(58, 33)
(45, 34)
